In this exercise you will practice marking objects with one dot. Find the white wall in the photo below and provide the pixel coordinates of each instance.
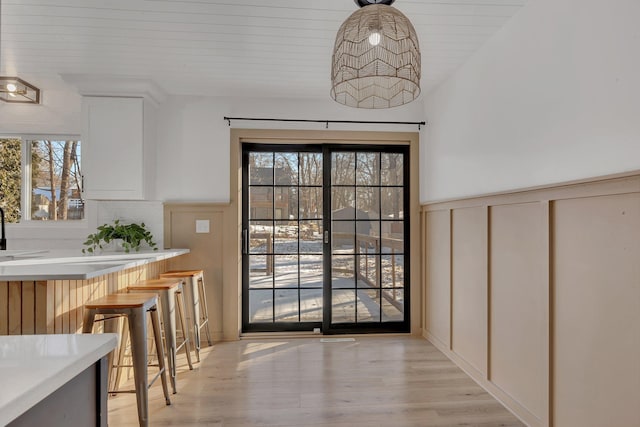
(553, 96)
(58, 114)
(193, 138)
(191, 152)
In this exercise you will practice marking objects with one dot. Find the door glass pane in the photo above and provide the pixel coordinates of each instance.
(311, 237)
(343, 237)
(285, 202)
(260, 273)
(392, 169)
(391, 202)
(342, 271)
(286, 168)
(310, 202)
(286, 305)
(311, 169)
(392, 305)
(343, 306)
(368, 202)
(343, 202)
(286, 237)
(392, 271)
(392, 231)
(311, 271)
(260, 237)
(261, 168)
(261, 202)
(285, 271)
(260, 306)
(368, 270)
(368, 169)
(311, 305)
(343, 168)
(368, 305)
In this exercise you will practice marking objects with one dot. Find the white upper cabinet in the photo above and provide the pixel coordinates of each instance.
(113, 148)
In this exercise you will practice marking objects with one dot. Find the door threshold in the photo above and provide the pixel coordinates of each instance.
(290, 334)
(309, 334)
(341, 339)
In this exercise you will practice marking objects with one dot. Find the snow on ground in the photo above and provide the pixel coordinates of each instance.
(300, 299)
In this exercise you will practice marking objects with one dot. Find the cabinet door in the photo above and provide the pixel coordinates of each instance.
(112, 145)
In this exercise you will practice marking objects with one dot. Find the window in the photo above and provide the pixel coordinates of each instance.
(40, 179)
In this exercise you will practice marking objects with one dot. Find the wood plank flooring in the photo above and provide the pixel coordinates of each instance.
(372, 381)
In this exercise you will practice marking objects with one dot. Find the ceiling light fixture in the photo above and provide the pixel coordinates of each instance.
(16, 90)
(376, 58)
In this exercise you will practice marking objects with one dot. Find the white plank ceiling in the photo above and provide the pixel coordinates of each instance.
(275, 48)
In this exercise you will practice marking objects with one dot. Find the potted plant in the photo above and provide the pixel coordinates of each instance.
(132, 235)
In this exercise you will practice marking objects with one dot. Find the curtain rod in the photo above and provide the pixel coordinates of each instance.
(228, 119)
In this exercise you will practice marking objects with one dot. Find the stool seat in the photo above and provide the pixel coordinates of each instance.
(181, 273)
(155, 284)
(122, 300)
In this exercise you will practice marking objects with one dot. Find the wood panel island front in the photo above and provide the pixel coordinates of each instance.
(44, 292)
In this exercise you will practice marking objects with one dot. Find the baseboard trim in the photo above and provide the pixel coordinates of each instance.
(515, 407)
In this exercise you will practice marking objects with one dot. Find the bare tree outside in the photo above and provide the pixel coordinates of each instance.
(56, 180)
(63, 206)
(52, 183)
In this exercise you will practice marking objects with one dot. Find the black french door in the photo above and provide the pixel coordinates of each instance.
(325, 238)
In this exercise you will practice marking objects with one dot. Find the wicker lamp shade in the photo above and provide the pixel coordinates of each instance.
(376, 59)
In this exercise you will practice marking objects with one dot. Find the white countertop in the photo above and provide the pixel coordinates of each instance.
(73, 264)
(34, 366)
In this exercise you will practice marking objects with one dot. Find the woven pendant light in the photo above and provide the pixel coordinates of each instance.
(376, 58)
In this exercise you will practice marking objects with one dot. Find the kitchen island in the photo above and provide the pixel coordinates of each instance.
(54, 380)
(43, 292)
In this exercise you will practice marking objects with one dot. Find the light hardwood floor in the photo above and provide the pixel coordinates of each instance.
(372, 381)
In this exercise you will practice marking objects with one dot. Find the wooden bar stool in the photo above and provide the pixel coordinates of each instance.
(171, 298)
(196, 299)
(134, 307)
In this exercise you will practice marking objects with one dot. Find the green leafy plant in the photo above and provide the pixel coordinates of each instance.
(132, 235)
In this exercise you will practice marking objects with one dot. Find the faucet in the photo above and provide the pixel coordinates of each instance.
(3, 240)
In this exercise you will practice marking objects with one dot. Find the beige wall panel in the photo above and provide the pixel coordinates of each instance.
(41, 307)
(597, 311)
(57, 306)
(205, 251)
(15, 308)
(28, 308)
(4, 308)
(438, 271)
(469, 286)
(518, 301)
